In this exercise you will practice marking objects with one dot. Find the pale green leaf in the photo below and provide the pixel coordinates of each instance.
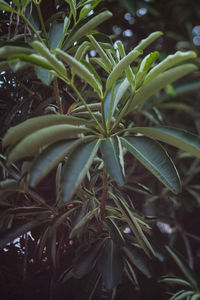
(80, 69)
(168, 62)
(179, 138)
(43, 137)
(55, 33)
(147, 41)
(145, 65)
(153, 156)
(160, 82)
(76, 168)
(16, 133)
(45, 76)
(72, 4)
(6, 51)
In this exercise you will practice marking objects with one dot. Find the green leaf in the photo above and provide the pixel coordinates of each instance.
(80, 69)
(92, 70)
(111, 152)
(168, 62)
(16, 133)
(129, 73)
(6, 51)
(45, 76)
(76, 167)
(85, 26)
(85, 10)
(82, 49)
(183, 295)
(153, 156)
(145, 65)
(160, 82)
(147, 41)
(5, 6)
(44, 51)
(55, 34)
(177, 281)
(101, 53)
(72, 4)
(50, 157)
(185, 270)
(122, 65)
(86, 259)
(115, 231)
(111, 265)
(113, 98)
(136, 257)
(179, 138)
(42, 137)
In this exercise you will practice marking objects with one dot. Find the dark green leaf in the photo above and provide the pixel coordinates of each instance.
(179, 138)
(136, 257)
(55, 34)
(76, 168)
(111, 265)
(113, 158)
(153, 156)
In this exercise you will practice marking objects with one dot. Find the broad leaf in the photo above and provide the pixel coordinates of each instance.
(45, 76)
(153, 156)
(86, 259)
(27, 127)
(179, 138)
(55, 33)
(76, 167)
(111, 265)
(136, 257)
(160, 82)
(50, 157)
(113, 158)
(40, 138)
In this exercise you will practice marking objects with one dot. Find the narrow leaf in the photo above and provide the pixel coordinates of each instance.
(153, 156)
(123, 64)
(46, 136)
(160, 82)
(45, 76)
(179, 138)
(76, 168)
(111, 156)
(147, 41)
(16, 133)
(137, 258)
(5, 6)
(80, 69)
(111, 265)
(6, 51)
(169, 62)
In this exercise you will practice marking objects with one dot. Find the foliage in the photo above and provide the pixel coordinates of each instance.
(88, 229)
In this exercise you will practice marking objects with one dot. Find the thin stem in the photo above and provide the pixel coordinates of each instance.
(103, 200)
(187, 246)
(41, 21)
(88, 109)
(32, 28)
(56, 91)
(25, 256)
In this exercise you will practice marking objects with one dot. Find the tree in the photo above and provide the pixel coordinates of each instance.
(66, 177)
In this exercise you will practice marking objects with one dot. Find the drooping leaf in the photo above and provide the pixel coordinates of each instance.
(6, 51)
(80, 69)
(85, 26)
(160, 82)
(136, 257)
(43, 137)
(179, 138)
(16, 133)
(111, 152)
(153, 156)
(86, 259)
(76, 168)
(45, 52)
(111, 265)
(50, 157)
(176, 281)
